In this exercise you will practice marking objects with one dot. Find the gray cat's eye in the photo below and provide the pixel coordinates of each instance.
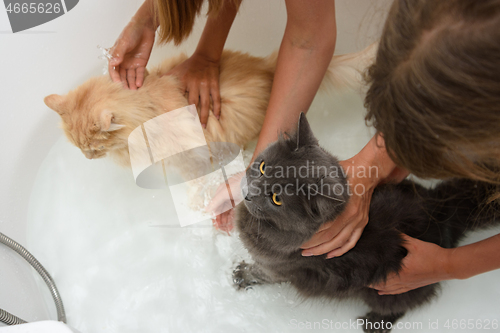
(276, 200)
(262, 167)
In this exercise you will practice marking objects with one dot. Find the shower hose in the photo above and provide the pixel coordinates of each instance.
(10, 319)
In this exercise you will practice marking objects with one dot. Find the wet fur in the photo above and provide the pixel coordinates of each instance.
(98, 116)
(442, 216)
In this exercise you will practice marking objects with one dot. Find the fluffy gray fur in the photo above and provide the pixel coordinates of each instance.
(274, 233)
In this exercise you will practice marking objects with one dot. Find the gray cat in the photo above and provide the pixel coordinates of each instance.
(294, 186)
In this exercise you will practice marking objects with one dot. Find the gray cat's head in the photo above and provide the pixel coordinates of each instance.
(295, 184)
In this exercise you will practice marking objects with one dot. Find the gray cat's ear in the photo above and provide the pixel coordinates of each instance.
(305, 136)
(55, 102)
(108, 123)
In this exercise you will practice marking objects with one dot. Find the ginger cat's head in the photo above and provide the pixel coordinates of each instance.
(89, 116)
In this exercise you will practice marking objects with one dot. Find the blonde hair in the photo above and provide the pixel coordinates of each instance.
(435, 88)
(176, 17)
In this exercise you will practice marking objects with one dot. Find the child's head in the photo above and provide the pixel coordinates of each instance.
(435, 87)
(176, 17)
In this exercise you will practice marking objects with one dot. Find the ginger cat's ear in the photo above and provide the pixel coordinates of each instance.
(55, 102)
(108, 122)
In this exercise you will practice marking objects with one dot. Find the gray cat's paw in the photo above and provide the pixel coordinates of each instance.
(242, 276)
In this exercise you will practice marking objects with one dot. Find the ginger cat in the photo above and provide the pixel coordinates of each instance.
(99, 115)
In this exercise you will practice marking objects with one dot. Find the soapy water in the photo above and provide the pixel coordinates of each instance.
(170, 151)
(105, 56)
(123, 264)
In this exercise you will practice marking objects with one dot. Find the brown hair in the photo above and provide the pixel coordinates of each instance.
(435, 88)
(176, 17)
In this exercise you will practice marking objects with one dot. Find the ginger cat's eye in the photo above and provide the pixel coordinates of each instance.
(262, 167)
(277, 200)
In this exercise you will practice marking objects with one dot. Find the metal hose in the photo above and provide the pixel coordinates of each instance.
(10, 319)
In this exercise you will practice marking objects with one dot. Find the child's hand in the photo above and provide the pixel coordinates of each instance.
(339, 236)
(130, 54)
(221, 207)
(426, 263)
(199, 77)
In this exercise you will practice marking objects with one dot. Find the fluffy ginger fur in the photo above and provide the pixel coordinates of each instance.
(99, 115)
